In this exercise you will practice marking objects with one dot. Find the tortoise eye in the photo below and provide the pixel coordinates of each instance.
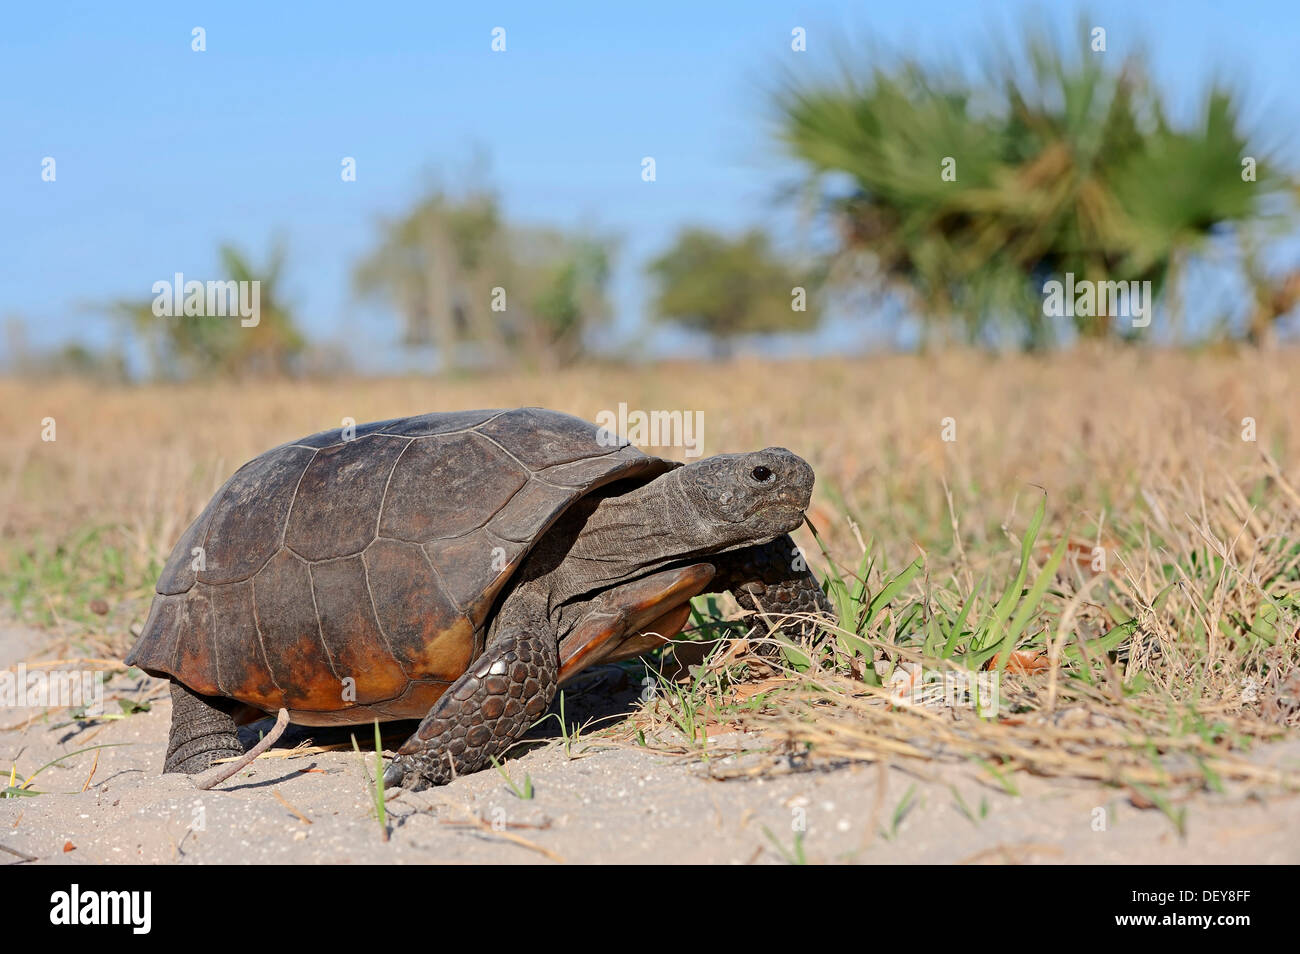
(762, 474)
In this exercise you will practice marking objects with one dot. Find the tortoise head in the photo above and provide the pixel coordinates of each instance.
(747, 498)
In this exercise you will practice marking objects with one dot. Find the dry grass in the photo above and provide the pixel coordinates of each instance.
(1139, 454)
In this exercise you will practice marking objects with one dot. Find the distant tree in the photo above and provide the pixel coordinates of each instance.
(1272, 296)
(727, 287)
(562, 283)
(17, 352)
(436, 265)
(194, 346)
(966, 196)
(465, 281)
(73, 358)
(273, 345)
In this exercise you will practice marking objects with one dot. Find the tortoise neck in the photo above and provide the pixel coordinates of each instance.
(644, 526)
(627, 535)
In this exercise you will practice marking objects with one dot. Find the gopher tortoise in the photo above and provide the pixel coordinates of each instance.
(455, 568)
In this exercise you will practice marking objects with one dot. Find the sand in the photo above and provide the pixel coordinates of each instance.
(601, 802)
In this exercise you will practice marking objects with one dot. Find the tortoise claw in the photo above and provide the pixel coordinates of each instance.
(404, 772)
(394, 774)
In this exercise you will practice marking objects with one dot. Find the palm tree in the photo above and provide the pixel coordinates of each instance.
(1068, 165)
(196, 346)
(272, 345)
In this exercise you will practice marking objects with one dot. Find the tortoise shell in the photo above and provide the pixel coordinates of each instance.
(353, 579)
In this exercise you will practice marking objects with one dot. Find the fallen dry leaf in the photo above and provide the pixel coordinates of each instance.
(1138, 800)
(750, 689)
(1024, 661)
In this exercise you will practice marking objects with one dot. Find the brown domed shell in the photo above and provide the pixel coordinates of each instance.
(349, 577)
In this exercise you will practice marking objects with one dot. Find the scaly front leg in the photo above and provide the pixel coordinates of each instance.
(773, 579)
(484, 712)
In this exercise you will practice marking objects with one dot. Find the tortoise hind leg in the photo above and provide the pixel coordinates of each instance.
(203, 730)
(483, 712)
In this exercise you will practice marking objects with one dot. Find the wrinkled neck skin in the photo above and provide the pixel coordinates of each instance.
(636, 532)
(603, 541)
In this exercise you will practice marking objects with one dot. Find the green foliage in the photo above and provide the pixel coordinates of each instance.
(71, 359)
(444, 265)
(435, 264)
(55, 582)
(563, 280)
(522, 792)
(15, 790)
(728, 287)
(195, 346)
(1068, 164)
(904, 808)
(794, 855)
(377, 797)
(1001, 623)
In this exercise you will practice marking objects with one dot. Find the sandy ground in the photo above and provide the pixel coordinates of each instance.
(608, 803)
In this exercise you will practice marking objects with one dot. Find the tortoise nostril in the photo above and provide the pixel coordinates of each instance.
(762, 474)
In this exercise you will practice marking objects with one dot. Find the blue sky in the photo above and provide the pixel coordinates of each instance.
(162, 152)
